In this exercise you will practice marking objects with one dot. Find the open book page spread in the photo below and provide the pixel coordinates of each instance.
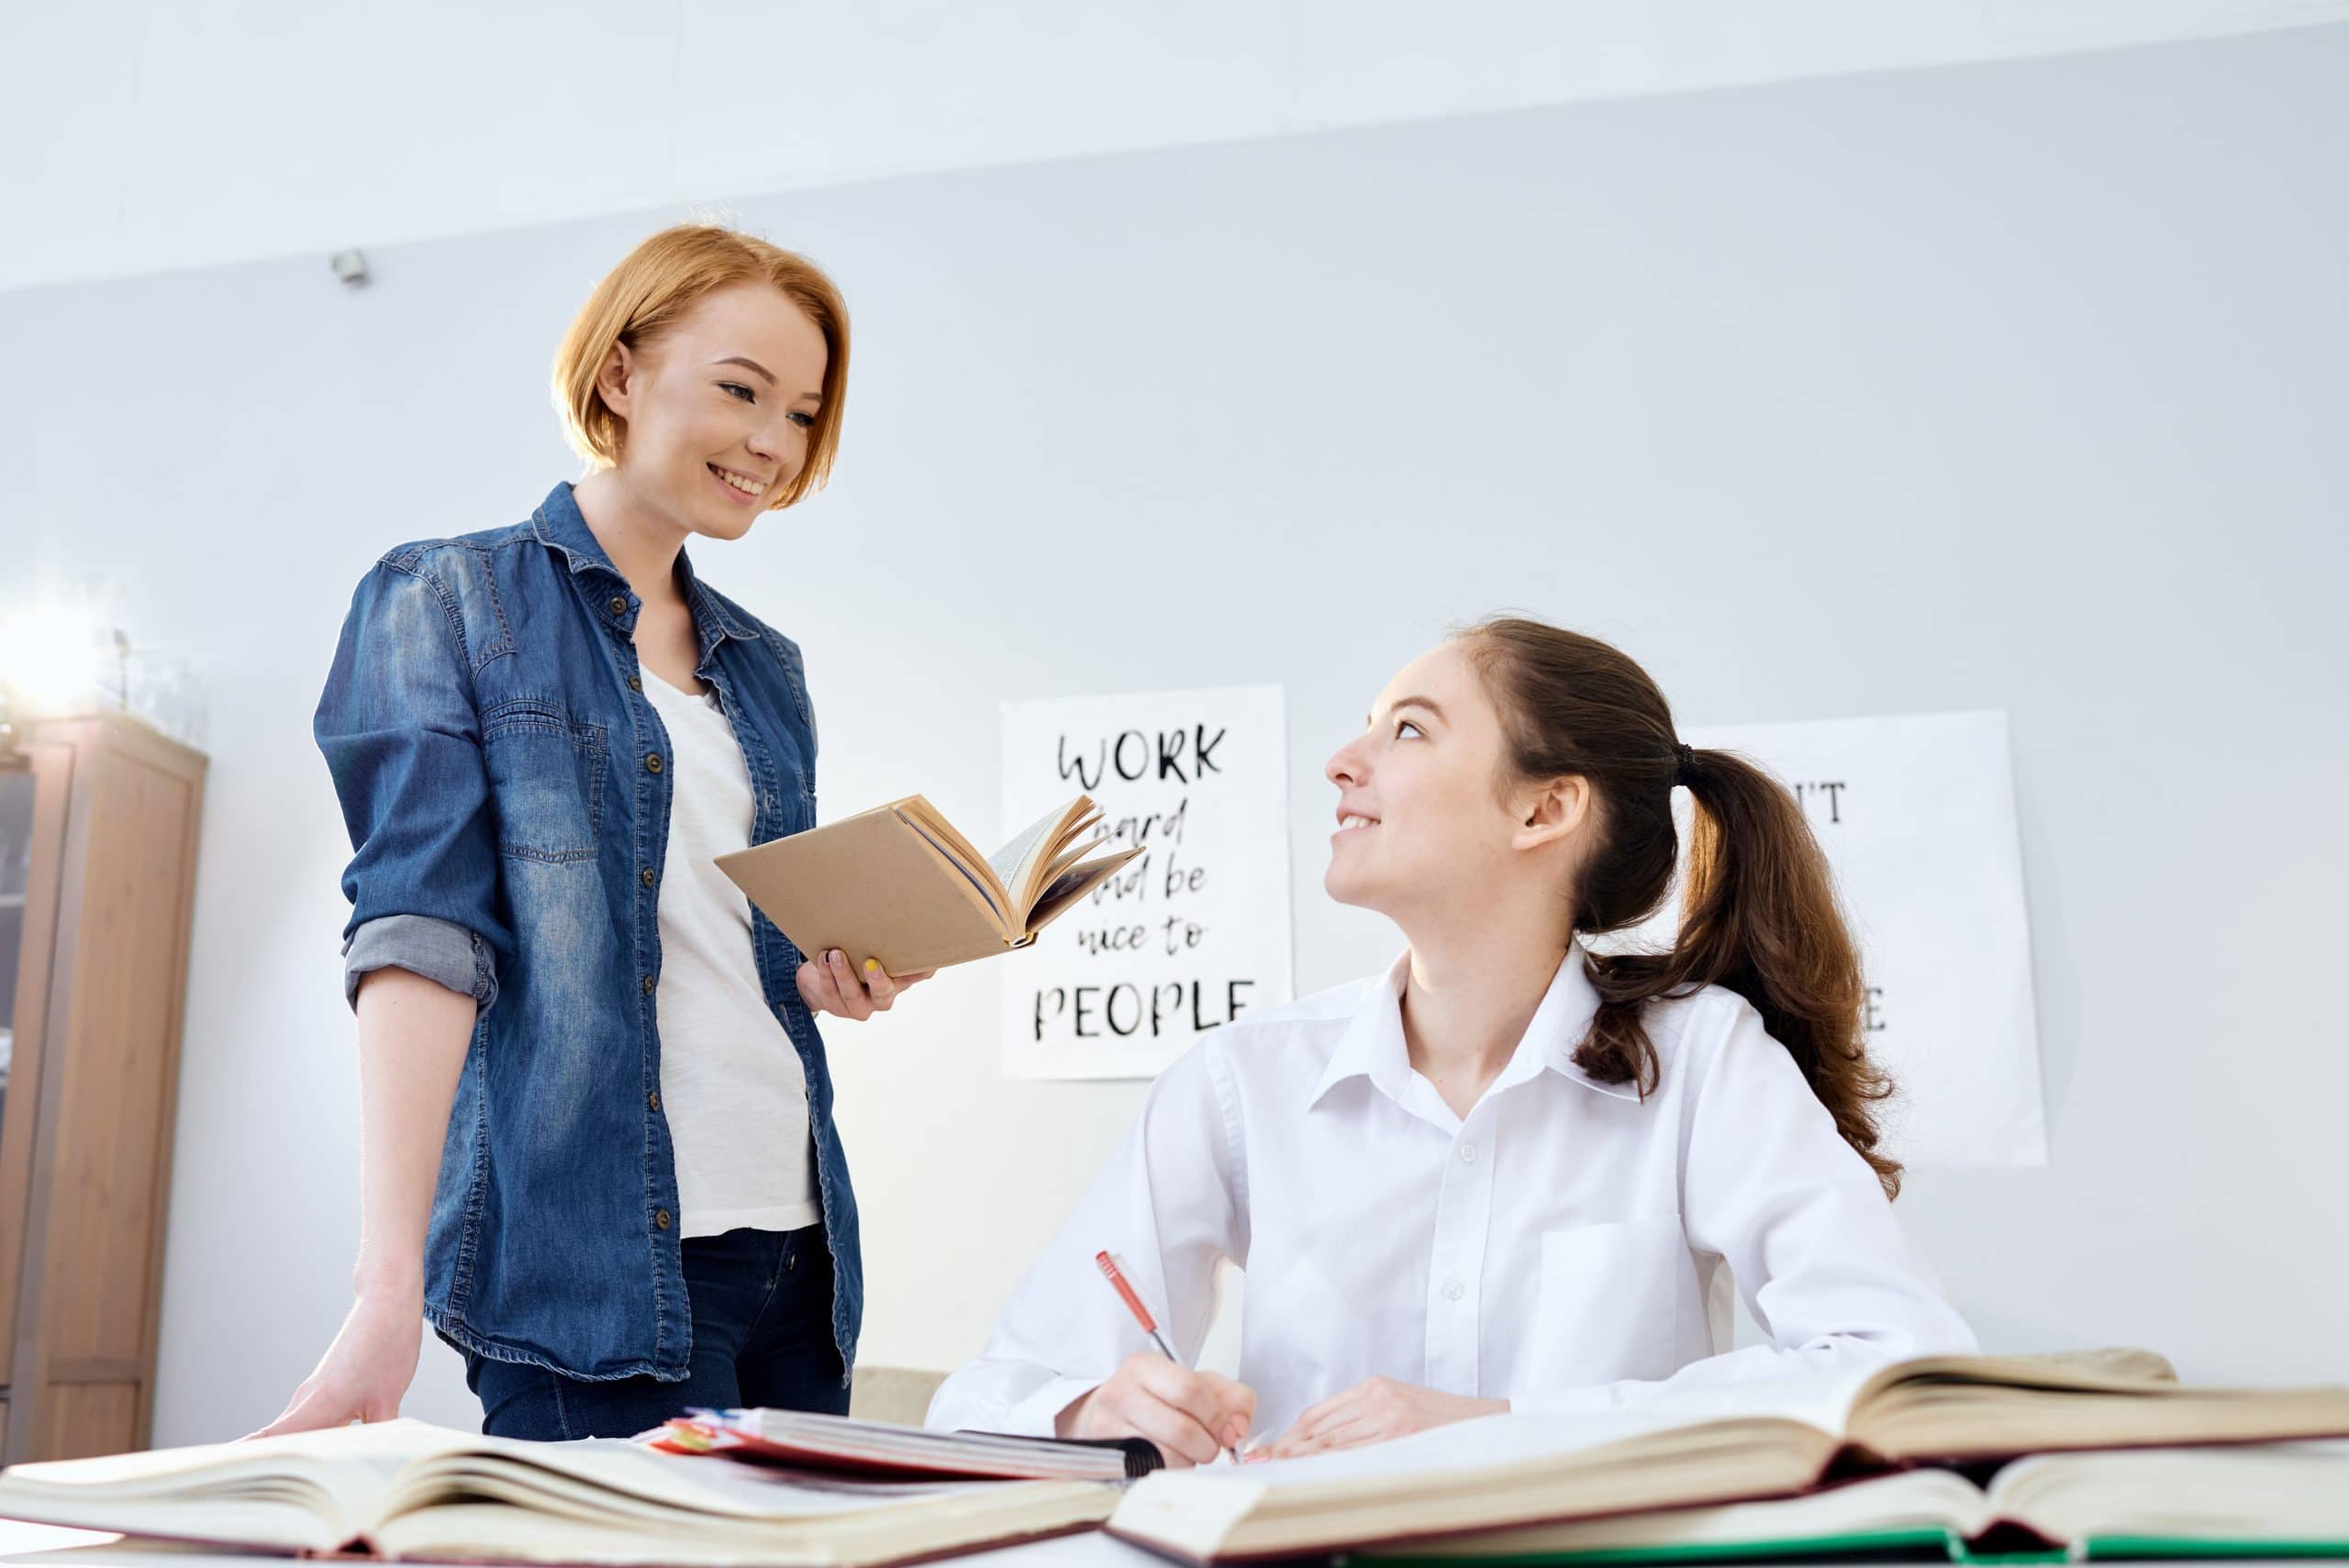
(1792, 1459)
(1498, 1470)
(2143, 1501)
(615, 1502)
(1814, 1401)
(407, 1488)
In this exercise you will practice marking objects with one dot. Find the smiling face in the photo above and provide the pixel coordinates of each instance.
(717, 408)
(1427, 819)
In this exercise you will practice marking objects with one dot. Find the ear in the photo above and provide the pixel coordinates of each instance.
(1552, 814)
(616, 378)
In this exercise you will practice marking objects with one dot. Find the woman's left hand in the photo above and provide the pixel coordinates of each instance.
(1372, 1411)
(830, 985)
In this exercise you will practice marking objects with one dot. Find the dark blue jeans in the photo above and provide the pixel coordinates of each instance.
(762, 1303)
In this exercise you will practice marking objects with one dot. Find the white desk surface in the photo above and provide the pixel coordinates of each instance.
(45, 1546)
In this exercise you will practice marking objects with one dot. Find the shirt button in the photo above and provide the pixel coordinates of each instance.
(660, 1219)
(652, 762)
(635, 683)
(1468, 1153)
(652, 1101)
(1453, 1290)
(618, 606)
(648, 986)
(647, 874)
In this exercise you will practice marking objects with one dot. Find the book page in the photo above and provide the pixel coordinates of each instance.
(603, 1500)
(2286, 1491)
(1073, 885)
(311, 1489)
(247, 1522)
(292, 1453)
(1964, 1406)
(1929, 1506)
(1494, 1471)
(1028, 845)
(1487, 1441)
(626, 1480)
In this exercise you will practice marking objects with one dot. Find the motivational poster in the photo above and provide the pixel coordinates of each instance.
(1194, 932)
(1917, 817)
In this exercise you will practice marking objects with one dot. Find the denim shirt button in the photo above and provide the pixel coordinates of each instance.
(660, 1219)
(647, 874)
(619, 607)
(652, 762)
(636, 683)
(652, 1101)
(647, 985)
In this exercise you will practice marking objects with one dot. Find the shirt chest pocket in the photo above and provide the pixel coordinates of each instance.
(546, 778)
(1607, 1302)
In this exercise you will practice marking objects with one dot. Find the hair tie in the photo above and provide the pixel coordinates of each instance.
(1686, 768)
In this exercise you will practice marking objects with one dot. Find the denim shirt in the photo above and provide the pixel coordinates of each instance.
(506, 784)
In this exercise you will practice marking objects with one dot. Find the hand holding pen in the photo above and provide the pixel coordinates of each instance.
(1190, 1415)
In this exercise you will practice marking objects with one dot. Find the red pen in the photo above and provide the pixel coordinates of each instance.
(1107, 1264)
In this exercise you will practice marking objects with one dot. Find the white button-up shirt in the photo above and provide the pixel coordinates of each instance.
(1565, 1246)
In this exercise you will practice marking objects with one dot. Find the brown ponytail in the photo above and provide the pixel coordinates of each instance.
(1758, 914)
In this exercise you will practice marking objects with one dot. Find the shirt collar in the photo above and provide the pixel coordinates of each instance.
(561, 529)
(1373, 1045)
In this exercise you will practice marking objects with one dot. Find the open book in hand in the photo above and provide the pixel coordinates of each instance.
(1737, 1442)
(899, 883)
(414, 1492)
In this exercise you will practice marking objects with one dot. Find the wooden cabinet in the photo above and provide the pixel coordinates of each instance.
(97, 875)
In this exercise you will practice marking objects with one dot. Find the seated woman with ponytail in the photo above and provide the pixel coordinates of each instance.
(1509, 1173)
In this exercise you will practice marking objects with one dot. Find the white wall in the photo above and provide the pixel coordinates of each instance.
(2016, 385)
(140, 136)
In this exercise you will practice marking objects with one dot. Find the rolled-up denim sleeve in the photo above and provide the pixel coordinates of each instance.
(402, 739)
(437, 950)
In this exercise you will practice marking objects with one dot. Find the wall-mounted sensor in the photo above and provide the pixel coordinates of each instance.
(351, 267)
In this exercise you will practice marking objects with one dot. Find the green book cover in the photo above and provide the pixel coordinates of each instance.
(1924, 1541)
(2109, 1548)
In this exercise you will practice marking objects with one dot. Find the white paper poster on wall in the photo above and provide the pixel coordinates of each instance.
(1194, 932)
(1917, 815)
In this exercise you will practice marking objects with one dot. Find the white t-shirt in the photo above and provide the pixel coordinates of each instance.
(730, 1082)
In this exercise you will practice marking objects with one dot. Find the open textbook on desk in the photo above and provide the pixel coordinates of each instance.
(1806, 1447)
(406, 1490)
(1915, 1456)
(2256, 1500)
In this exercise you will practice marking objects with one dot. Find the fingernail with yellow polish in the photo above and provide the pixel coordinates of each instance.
(871, 965)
